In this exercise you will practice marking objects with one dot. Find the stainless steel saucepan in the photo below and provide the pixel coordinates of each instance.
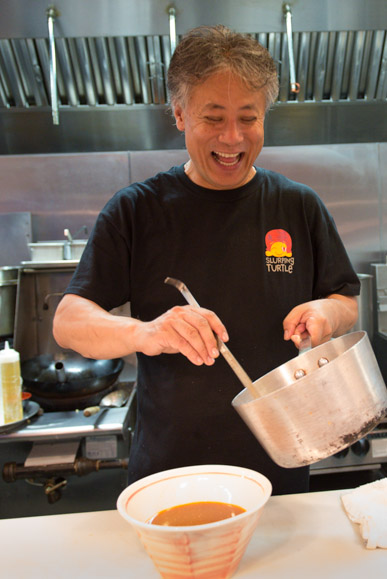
(314, 405)
(318, 403)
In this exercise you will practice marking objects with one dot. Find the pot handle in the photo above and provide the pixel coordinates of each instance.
(303, 345)
(60, 372)
(91, 410)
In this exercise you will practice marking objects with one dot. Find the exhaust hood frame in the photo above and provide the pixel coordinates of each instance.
(142, 127)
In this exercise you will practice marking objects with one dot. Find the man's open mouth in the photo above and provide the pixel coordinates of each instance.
(227, 159)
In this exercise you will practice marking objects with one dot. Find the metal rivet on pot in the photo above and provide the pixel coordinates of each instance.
(323, 362)
(299, 374)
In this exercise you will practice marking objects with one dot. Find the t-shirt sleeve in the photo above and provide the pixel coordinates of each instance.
(334, 272)
(103, 273)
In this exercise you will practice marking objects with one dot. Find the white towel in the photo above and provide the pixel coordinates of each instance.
(367, 506)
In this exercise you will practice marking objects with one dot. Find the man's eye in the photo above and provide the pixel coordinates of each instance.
(249, 119)
(214, 119)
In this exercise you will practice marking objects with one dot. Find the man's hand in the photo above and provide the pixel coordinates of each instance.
(321, 319)
(187, 330)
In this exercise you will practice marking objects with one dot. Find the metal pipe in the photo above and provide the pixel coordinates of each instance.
(172, 28)
(294, 86)
(80, 467)
(51, 15)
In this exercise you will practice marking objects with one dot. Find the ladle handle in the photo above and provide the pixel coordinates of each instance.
(223, 349)
(239, 371)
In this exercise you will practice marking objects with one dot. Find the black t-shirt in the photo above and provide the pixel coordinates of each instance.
(249, 254)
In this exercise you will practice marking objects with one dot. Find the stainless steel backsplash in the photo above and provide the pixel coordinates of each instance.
(68, 190)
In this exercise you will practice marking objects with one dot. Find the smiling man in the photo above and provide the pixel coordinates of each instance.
(260, 253)
(224, 131)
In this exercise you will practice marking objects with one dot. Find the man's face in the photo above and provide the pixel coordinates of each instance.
(223, 123)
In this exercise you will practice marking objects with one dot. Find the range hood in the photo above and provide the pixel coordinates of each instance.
(90, 75)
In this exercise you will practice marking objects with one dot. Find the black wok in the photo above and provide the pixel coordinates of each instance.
(68, 375)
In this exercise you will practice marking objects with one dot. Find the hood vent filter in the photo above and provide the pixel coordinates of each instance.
(122, 71)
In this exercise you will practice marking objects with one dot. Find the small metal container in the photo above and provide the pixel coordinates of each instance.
(8, 291)
(339, 397)
(365, 305)
(49, 251)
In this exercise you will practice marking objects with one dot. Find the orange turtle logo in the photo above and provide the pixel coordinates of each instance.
(278, 243)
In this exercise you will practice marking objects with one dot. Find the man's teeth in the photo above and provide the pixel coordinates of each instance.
(234, 158)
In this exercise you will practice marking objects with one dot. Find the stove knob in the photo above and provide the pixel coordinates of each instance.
(342, 453)
(361, 447)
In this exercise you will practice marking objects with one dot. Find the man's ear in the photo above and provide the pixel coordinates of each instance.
(179, 117)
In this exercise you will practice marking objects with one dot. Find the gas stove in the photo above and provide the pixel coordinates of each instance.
(368, 453)
(71, 425)
(70, 457)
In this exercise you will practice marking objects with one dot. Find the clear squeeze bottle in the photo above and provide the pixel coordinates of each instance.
(11, 409)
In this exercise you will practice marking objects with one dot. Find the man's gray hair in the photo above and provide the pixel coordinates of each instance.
(207, 50)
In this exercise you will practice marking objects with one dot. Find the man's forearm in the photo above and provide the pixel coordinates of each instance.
(346, 313)
(83, 326)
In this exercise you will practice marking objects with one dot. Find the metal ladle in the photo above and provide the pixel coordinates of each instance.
(223, 349)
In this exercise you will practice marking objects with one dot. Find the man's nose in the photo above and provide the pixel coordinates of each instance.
(231, 133)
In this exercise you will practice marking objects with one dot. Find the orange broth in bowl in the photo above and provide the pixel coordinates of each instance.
(198, 513)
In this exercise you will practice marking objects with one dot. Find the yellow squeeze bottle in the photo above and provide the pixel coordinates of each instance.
(11, 408)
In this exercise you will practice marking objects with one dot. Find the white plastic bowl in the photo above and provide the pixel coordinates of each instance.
(212, 550)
